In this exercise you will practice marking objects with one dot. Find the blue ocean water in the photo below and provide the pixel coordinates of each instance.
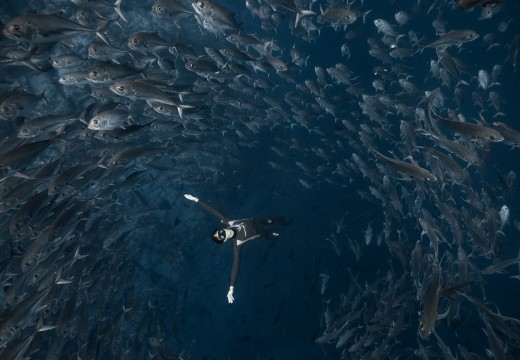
(154, 285)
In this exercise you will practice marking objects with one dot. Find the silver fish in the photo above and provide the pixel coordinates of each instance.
(141, 90)
(511, 136)
(100, 5)
(430, 303)
(74, 78)
(170, 9)
(386, 28)
(101, 51)
(411, 170)
(338, 15)
(107, 72)
(454, 168)
(217, 14)
(453, 37)
(402, 17)
(67, 61)
(276, 63)
(456, 148)
(472, 130)
(108, 120)
(44, 125)
(18, 102)
(132, 153)
(47, 28)
(147, 42)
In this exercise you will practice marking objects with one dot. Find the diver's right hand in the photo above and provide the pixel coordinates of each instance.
(192, 198)
(230, 297)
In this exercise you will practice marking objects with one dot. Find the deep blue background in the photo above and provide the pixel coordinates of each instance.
(279, 310)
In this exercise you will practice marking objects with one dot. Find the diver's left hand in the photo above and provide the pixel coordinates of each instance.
(230, 297)
(190, 197)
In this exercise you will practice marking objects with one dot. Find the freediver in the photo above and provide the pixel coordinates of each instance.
(239, 232)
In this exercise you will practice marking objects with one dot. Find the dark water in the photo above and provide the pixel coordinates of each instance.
(153, 284)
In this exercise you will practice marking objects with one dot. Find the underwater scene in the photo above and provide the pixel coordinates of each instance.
(259, 179)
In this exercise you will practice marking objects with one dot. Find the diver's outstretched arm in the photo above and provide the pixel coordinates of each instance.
(234, 272)
(208, 208)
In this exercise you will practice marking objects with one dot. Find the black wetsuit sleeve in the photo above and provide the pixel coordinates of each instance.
(236, 262)
(213, 211)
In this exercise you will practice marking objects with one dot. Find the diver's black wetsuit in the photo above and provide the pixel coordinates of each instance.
(245, 230)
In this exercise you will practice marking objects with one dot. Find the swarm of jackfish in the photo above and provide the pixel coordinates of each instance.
(101, 108)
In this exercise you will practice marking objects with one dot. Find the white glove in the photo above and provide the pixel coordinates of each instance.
(192, 198)
(230, 297)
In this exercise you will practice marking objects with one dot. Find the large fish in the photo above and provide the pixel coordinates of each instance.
(338, 15)
(141, 90)
(107, 72)
(47, 29)
(510, 136)
(17, 102)
(216, 14)
(411, 170)
(48, 124)
(147, 43)
(472, 130)
(430, 303)
(108, 120)
(453, 37)
(20, 155)
(170, 9)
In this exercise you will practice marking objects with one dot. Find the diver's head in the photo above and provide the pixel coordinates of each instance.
(222, 235)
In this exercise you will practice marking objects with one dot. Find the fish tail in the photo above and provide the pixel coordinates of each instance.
(301, 14)
(100, 31)
(117, 8)
(180, 109)
(43, 97)
(365, 14)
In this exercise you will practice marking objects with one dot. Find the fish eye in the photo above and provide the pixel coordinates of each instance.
(94, 73)
(25, 131)
(135, 40)
(16, 27)
(5, 109)
(96, 121)
(120, 88)
(201, 4)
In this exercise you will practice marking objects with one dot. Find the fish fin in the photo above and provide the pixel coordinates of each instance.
(443, 315)
(117, 8)
(20, 175)
(42, 327)
(101, 16)
(301, 14)
(100, 32)
(180, 109)
(365, 14)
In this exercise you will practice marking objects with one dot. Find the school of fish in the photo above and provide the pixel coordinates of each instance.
(103, 103)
